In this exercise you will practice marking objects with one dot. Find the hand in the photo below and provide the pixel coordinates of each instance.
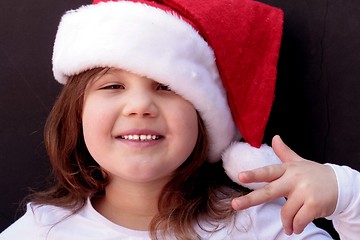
(310, 188)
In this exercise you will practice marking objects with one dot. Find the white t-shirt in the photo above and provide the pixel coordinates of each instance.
(53, 223)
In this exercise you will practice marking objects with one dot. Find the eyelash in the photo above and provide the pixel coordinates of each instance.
(163, 87)
(160, 87)
(114, 87)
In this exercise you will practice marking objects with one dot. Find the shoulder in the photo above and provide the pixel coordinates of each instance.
(266, 223)
(48, 214)
(252, 223)
(261, 222)
(35, 223)
(56, 223)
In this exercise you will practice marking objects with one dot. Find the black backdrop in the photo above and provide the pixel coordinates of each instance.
(316, 109)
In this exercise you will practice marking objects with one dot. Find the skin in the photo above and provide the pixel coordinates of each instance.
(310, 188)
(120, 105)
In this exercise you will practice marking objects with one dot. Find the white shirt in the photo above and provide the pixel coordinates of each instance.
(53, 223)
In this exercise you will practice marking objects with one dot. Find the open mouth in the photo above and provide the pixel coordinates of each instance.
(141, 137)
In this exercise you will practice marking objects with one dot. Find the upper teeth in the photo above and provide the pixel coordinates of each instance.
(141, 137)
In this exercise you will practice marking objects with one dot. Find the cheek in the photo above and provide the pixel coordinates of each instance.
(186, 124)
(90, 119)
(97, 114)
(96, 122)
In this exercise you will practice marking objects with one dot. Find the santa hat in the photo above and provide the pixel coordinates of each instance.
(219, 55)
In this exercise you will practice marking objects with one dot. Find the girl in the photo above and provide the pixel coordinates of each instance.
(136, 136)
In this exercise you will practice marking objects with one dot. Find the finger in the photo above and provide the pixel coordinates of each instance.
(263, 174)
(288, 213)
(303, 217)
(262, 195)
(283, 151)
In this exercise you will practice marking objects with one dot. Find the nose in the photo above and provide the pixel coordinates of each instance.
(140, 103)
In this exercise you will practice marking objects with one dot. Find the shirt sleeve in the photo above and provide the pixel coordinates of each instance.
(346, 217)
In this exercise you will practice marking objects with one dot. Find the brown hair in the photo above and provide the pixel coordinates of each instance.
(197, 189)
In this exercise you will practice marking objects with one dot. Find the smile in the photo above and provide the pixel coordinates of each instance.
(142, 137)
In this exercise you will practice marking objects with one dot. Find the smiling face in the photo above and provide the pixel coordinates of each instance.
(135, 128)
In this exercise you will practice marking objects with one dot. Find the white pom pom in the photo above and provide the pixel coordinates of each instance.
(241, 156)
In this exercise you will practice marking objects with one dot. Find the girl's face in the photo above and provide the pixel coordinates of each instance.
(135, 128)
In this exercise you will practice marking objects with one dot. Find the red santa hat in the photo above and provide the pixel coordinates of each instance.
(221, 55)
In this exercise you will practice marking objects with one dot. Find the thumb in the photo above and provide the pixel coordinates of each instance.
(283, 151)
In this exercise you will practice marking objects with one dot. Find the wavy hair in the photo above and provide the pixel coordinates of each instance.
(198, 190)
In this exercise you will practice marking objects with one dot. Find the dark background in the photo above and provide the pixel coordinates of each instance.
(316, 109)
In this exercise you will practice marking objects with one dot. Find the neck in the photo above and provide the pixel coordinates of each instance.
(131, 205)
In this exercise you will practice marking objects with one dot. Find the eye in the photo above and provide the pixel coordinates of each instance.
(113, 87)
(163, 87)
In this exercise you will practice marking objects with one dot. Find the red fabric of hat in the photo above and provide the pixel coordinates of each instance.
(245, 36)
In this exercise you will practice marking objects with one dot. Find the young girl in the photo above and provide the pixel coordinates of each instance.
(148, 107)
